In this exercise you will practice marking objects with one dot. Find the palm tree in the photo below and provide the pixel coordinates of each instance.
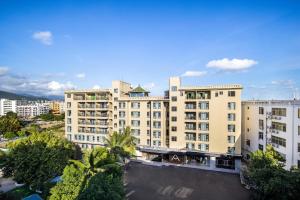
(121, 145)
(94, 161)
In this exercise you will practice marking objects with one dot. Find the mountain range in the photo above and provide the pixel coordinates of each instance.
(14, 96)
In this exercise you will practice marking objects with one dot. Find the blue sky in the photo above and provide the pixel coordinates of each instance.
(49, 46)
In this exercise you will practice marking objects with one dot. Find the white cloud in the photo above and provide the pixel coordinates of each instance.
(3, 70)
(56, 86)
(45, 37)
(81, 75)
(231, 65)
(194, 73)
(96, 87)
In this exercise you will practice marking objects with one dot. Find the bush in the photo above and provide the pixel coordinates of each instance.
(10, 135)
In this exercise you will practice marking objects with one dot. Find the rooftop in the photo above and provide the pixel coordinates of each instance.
(212, 87)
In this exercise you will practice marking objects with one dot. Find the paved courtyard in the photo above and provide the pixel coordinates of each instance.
(177, 183)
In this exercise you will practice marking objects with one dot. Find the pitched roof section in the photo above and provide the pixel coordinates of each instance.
(139, 89)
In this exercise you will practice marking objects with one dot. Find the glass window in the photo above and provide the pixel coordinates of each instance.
(203, 137)
(203, 147)
(231, 139)
(231, 93)
(174, 88)
(261, 147)
(279, 126)
(174, 119)
(174, 138)
(231, 116)
(231, 150)
(231, 128)
(135, 105)
(231, 105)
(156, 105)
(174, 128)
(174, 98)
(203, 115)
(156, 115)
(174, 108)
(279, 112)
(116, 90)
(135, 123)
(261, 124)
(260, 135)
(204, 105)
(203, 126)
(261, 110)
(135, 114)
(68, 104)
(278, 141)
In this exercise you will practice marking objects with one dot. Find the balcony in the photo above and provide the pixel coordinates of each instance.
(190, 106)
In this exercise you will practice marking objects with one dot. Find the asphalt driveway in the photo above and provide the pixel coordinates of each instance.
(144, 182)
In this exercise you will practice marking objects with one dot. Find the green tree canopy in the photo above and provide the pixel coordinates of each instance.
(9, 123)
(121, 145)
(80, 174)
(269, 178)
(38, 158)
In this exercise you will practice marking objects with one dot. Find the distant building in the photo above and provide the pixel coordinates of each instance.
(272, 122)
(32, 110)
(57, 107)
(7, 105)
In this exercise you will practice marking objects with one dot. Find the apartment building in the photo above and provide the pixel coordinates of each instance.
(7, 105)
(32, 110)
(189, 124)
(272, 122)
(57, 107)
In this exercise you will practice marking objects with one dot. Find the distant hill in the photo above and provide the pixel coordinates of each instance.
(13, 96)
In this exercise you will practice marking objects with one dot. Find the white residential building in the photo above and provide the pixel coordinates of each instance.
(7, 105)
(32, 110)
(272, 122)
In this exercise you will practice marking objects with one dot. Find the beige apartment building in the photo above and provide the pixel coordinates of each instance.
(190, 124)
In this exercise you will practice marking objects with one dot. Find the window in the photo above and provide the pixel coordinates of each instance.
(116, 90)
(174, 98)
(231, 128)
(174, 119)
(299, 113)
(190, 145)
(121, 114)
(231, 117)
(148, 142)
(148, 132)
(261, 110)
(135, 105)
(221, 92)
(69, 113)
(190, 136)
(299, 147)
(174, 128)
(122, 123)
(231, 150)
(203, 147)
(261, 147)
(231, 139)
(174, 108)
(279, 111)
(203, 126)
(261, 124)
(203, 115)
(69, 128)
(156, 124)
(231, 93)
(279, 126)
(279, 141)
(156, 105)
(135, 123)
(68, 104)
(174, 88)
(174, 138)
(135, 114)
(260, 135)
(122, 105)
(204, 105)
(216, 94)
(68, 95)
(203, 137)
(156, 115)
(231, 105)
(135, 132)
(298, 130)
(69, 121)
(156, 134)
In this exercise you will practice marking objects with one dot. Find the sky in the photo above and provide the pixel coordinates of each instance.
(47, 47)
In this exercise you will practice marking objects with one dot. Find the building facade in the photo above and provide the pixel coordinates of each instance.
(272, 122)
(193, 124)
(32, 110)
(7, 105)
(57, 107)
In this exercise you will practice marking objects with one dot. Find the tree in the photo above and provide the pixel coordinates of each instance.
(269, 178)
(121, 145)
(9, 123)
(80, 174)
(103, 186)
(36, 159)
(70, 186)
